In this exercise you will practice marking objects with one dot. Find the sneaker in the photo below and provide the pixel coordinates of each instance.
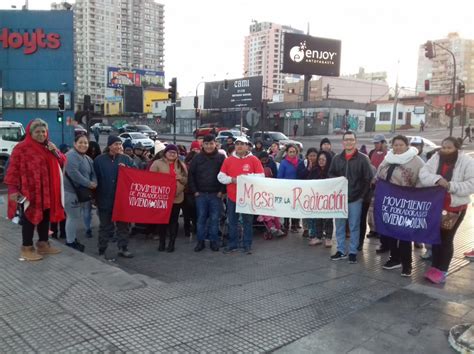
(327, 243)
(469, 255)
(315, 241)
(391, 264)
(229, 250)
(435, 276)
(352, 258)
(426, 256)
(406, 273)
(125, 253)
(214, 246)
(246, 250)
(338, 256)
(106, 255)
(279, 233)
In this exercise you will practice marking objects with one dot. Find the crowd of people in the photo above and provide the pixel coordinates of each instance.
(48, 185)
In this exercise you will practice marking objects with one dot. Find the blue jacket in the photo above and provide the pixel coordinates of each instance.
(287, 170)
(106, 170)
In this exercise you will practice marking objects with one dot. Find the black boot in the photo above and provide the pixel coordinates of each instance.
(200, 246)
(171, 244)
(162, 244)
(214, 246)
(77, 246)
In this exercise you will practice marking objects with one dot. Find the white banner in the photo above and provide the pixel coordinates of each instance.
(292, 198)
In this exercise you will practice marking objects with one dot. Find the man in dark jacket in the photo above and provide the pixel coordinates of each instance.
(208, 192)
(356, 168)
(106, 167)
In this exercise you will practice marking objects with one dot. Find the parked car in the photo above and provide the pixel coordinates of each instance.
(127, 128)
(206, 129)
(428, 145)
(269, 137)
(79, 129)
(11, 133)
(102, 127)
(224, 134)
(237, 127)
(136, 138)
(146, 130)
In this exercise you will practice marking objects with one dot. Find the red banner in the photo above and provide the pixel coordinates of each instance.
(143, 197)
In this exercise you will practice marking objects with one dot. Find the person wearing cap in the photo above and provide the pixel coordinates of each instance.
(106, 168)
(195, 146)
(356, 168)
(325, 145)
(241, 162)
(208, 192)
(171, 164)
(128, 148)
(377, 154)
(140, 156)
(417, 141)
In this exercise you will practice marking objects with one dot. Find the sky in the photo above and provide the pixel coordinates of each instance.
(204, 40)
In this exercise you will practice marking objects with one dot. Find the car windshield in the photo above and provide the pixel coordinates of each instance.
(11, 133)
(143, 128)
(278, 136)
(137, 136)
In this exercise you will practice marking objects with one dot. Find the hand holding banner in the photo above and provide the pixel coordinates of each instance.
(408, 213)
(292, 198)
(143, 197)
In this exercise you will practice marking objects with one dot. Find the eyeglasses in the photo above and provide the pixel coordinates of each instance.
(349, 139)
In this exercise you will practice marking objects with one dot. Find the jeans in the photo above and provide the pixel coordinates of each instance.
(208, 207)
(73, 211)
(87, 214)
(232, 219)
(311, 223)
(107, 228)
(355, 210)
(28, 229)
(189, 214)
(324, 228)
(400, 252)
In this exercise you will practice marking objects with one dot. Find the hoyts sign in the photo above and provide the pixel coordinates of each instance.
(30, 42)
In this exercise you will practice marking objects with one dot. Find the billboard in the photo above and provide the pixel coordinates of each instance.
(132, 99)
(236, 93)
(117, 78)
(303, 54)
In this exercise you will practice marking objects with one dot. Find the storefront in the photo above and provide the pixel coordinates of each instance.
(36, 66)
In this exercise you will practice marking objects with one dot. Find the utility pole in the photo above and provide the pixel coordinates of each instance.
(394, 113)
(327, 91)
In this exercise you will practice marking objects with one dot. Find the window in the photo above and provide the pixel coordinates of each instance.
(400, 115)
(384, 116)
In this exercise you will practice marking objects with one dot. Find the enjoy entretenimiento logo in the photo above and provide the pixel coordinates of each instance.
(301, 52)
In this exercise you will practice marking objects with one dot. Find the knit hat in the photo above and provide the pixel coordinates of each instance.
(324, 141)
(127, 144)
(171, 147)
(195, 145)
(113, 139)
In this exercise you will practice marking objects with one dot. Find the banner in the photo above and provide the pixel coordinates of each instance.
(143, 197)
(292, 198)
(408, 213)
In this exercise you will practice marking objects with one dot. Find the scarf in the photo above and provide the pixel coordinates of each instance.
(401, 159)
(446, 165)
(292, 160)
(36, 173)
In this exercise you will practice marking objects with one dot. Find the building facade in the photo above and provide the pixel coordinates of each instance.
(439, 70)
(263, 55)
(115, 33)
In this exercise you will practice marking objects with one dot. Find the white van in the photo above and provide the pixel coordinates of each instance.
(11, 134)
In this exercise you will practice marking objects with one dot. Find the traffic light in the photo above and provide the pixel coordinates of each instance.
(196, 102)
(457, 108)
(172, 90)
(169, 115)
(448, 109)
(427, 85)
(429, 50)
(61, 102)
(59, 116)
(461, 90)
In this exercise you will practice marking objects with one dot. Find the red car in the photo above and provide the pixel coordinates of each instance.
(208, 128)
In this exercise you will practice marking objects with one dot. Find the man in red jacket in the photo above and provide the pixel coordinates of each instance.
(241, 162)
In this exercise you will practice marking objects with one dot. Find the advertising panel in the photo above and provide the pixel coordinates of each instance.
(235, 93)
(303, 54)
(118, 78)
(133, 99)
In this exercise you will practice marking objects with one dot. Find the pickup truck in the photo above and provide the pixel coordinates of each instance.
(102, 127)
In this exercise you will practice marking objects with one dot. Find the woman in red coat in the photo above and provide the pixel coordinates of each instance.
(34, 179)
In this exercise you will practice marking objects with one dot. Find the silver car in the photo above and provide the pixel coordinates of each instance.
(136, 138)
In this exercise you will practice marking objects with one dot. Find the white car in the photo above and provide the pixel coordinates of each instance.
(428, 145)
(136, 138)
(11, 134)
(102, 127)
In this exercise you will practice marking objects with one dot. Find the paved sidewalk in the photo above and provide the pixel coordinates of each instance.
(285, 296)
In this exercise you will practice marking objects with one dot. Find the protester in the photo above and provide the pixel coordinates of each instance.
(468, 133)
(229, 143)
(367, 213)
(268, 162)
(94, 150)
(79, 173)
(241, 162)
(274, 150)
(128, 149)
(452, 170)
(96, 132)
(295, 129)
(417, 141)
(189, 203)
(325, 145)
(356, 168)
(208, 192)
(195, 146)
(401, 166)
(258, 147)
(141, 156)
(363, 149)
(377, 154)
(272, 223)
(106, 167)
(170, 164)
(35, 188)
(288, 170)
